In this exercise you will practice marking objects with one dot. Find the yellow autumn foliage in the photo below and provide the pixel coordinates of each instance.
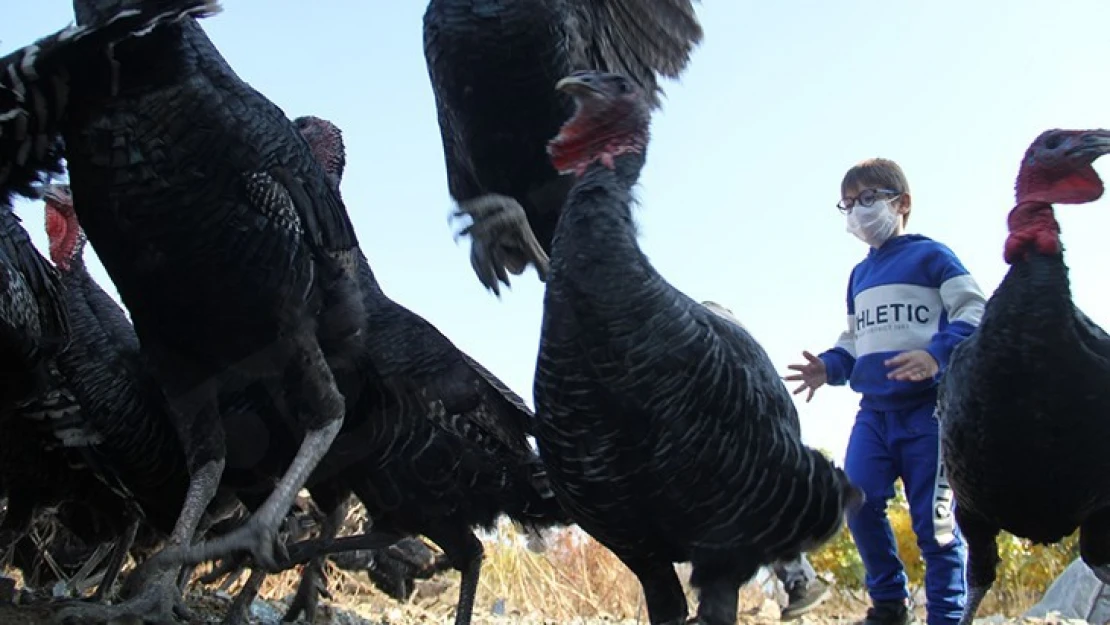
(1025, 573)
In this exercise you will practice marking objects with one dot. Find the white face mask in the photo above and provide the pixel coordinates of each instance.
(873, 224)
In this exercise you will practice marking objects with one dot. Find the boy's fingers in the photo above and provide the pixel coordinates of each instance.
(812, 390)
(811, 358)
(904, 372)
(794, 378)
(797, 367)
(897, 360)
(801, 387)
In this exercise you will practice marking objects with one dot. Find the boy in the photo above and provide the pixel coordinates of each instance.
(804, 591)
(910, 302)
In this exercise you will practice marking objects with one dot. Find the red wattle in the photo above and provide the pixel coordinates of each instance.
(1032, 226)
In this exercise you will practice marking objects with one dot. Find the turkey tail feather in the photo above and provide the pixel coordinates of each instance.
(34, 88)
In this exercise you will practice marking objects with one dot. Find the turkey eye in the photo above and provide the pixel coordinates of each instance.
(1053, 142)
(625, 86)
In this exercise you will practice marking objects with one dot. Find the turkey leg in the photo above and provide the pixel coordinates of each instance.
(719, 589)
(464, 551)
(502, 242)
(982, 559)
(115, 563)
(320, 410)
(666, 601)
(258, 534)
(1094, 544)
(313, 581)
(239, 612)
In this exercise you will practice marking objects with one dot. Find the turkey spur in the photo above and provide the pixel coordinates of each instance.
(233, 254)
(491, 64)
(1033, 383)
(666, 432)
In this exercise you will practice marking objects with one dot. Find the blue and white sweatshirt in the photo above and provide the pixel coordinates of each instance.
(910, 293)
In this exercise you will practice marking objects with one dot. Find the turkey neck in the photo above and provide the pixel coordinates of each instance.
(595, 239)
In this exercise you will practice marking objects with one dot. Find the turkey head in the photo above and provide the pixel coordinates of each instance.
(611, 117)
(1057, 169)
(326, 142)
(67, 239)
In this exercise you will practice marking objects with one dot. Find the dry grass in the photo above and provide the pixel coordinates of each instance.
(576, 580)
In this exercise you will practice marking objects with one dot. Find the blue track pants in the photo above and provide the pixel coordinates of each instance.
(905, 443)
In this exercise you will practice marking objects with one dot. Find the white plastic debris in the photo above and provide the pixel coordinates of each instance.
(1076, 594)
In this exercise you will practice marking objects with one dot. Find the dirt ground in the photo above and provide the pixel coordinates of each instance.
(211, 606)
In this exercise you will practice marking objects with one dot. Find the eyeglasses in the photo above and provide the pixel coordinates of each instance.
(866, 198)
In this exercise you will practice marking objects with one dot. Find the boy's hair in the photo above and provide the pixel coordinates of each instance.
(881, 173)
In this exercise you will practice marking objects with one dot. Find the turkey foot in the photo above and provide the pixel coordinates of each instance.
(159, 603)
(239, 612)
(231, 566)
(502, 242)
(981, 538)
(314, 584)
(719, 592)
(158, 598)
(256, 538)
(313, 581)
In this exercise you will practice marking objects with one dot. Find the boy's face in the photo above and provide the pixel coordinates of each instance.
(870, 195)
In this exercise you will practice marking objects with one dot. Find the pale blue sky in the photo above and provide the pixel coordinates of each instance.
(746, 157)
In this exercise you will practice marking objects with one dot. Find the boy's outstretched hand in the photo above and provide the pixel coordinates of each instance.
(812, 375)
(912, 366)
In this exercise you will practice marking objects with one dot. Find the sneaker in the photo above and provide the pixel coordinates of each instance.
(888, 613)
(804, 597)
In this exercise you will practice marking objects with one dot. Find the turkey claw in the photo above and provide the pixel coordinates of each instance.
(502, 241)
(252, 538)
(313, 586)
(231, 566)
(158, 604)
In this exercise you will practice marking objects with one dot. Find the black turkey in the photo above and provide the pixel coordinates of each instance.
(1023, 406)
(231, 251)
(492, 64)
(666, 431)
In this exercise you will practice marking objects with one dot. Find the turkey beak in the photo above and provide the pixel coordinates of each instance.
(57, 193)
(1093, 144)
(577, 85)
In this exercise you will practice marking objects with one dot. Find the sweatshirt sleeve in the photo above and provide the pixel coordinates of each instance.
(963, 305)
(840, 360)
